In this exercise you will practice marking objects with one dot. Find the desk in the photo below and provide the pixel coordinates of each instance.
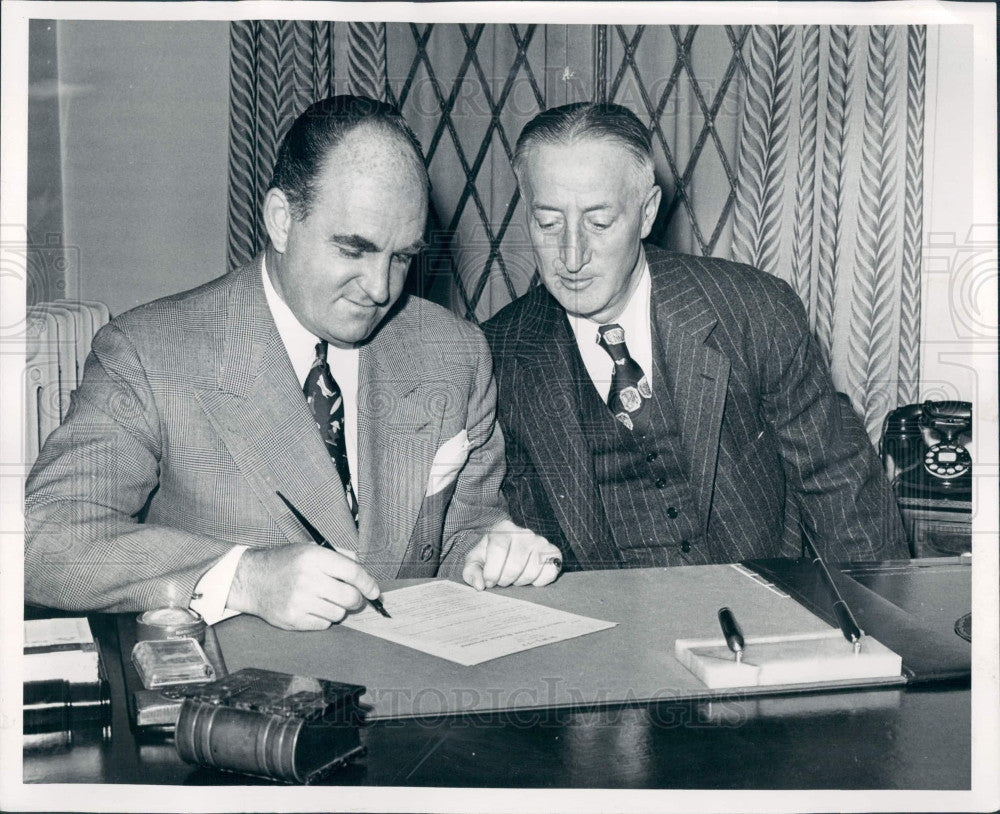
(912, 738)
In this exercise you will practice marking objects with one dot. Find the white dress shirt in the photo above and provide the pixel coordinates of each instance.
(634, 320)
(212, 589)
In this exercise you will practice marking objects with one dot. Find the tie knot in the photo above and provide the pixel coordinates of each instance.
(321, 351)
(612, 339)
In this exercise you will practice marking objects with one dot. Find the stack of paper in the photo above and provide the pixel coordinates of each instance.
(60, 649)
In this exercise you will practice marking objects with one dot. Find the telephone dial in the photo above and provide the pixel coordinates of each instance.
(924, 448)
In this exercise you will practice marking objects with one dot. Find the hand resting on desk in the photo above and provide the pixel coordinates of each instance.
(511, 555)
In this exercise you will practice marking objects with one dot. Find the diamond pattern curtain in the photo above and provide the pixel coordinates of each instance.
(830, 194)
(467, 90)
(796, 149)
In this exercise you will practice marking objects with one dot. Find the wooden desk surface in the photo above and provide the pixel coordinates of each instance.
(914, 738)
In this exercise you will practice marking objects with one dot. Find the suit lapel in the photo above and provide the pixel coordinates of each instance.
(548, 380)
(398, 433)
(260, 414)
(697, 374)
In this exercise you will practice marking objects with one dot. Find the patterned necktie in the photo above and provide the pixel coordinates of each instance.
(630, 390)
(327, 404)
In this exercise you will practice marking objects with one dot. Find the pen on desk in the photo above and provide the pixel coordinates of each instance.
(731, 630)
(321, 540)
(848, 625)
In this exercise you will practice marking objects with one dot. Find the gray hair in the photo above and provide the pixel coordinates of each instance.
(569, 123)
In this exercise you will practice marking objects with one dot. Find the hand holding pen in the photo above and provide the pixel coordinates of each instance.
(300, 587)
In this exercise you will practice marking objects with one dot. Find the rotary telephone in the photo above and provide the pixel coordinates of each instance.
(924, 449)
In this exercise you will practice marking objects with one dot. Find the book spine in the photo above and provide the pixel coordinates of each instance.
(238, 740)
(40, 649)
(55, 705)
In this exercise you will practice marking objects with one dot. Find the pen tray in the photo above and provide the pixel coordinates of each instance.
(795, 659)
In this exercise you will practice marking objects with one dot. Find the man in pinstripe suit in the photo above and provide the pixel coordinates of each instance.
(724, 440)
(161, 486)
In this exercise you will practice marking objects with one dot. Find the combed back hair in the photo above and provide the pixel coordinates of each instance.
(587, 120)
(319, 129)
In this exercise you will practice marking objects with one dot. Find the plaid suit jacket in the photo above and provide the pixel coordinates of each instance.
(190, 418)
(768, 443)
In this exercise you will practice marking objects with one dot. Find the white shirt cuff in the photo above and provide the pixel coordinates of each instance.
(212, 589)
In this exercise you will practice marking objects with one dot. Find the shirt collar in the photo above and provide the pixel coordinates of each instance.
(633, 316)
(299, 342)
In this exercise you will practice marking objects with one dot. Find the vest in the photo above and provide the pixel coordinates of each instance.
(643, 480)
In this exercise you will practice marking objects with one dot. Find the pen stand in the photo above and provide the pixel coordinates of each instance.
(810, 658)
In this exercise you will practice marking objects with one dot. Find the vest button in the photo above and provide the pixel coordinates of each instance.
(659, 483)
(671, 513)
(685, 546)
(652, 456)
(426, 552)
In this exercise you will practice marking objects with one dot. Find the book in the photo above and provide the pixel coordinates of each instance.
(61, 648)
(268, 724)
(57, 713)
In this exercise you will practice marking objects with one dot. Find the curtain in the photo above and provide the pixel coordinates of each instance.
(829, 196)
(467, 90)
(277, 69)
(797, 149)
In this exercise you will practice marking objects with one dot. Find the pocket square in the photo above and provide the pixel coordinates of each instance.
(448, 462)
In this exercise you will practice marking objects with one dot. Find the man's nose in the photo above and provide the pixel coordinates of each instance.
(574, 251)
(375, 281)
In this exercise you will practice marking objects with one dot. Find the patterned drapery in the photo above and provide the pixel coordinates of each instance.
(830, 194)
(277, 69)
(467, 90)
(796, 149)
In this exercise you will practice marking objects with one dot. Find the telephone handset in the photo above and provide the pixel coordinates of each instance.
(924, 446)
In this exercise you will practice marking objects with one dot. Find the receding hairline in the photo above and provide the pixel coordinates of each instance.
(645, 170)
(388, 143)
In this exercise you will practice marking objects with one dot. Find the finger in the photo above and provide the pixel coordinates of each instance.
(497, 548)
(301, 621)
(521, 561)
(340, 567)
(316, 622)
(334, 593)
(547, 574)
(472, 573)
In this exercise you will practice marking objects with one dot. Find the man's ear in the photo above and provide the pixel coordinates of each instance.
(649, 209)
(277, 218)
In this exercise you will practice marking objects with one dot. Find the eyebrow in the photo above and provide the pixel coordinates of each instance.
(544, 208)
(363, 244)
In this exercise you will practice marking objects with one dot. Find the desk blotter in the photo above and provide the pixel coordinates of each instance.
(633, 662)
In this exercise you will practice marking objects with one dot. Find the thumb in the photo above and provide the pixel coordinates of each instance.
(473, 571)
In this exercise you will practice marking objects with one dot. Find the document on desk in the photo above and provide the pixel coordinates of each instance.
(466, 626)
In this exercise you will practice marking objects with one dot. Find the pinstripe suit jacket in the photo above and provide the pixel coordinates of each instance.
(190, 417)
(765, 437)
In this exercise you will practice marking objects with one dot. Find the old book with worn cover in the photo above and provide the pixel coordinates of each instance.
(268, 724)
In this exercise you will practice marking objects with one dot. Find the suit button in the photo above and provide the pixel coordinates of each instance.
(652, 456)
(659, 483)
(427, 552)
(671, 512)
(685, 546)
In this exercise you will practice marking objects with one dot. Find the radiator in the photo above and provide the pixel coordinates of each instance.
(58, 341)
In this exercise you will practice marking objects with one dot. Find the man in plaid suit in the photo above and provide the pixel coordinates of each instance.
(303, 373)
(661, 409)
